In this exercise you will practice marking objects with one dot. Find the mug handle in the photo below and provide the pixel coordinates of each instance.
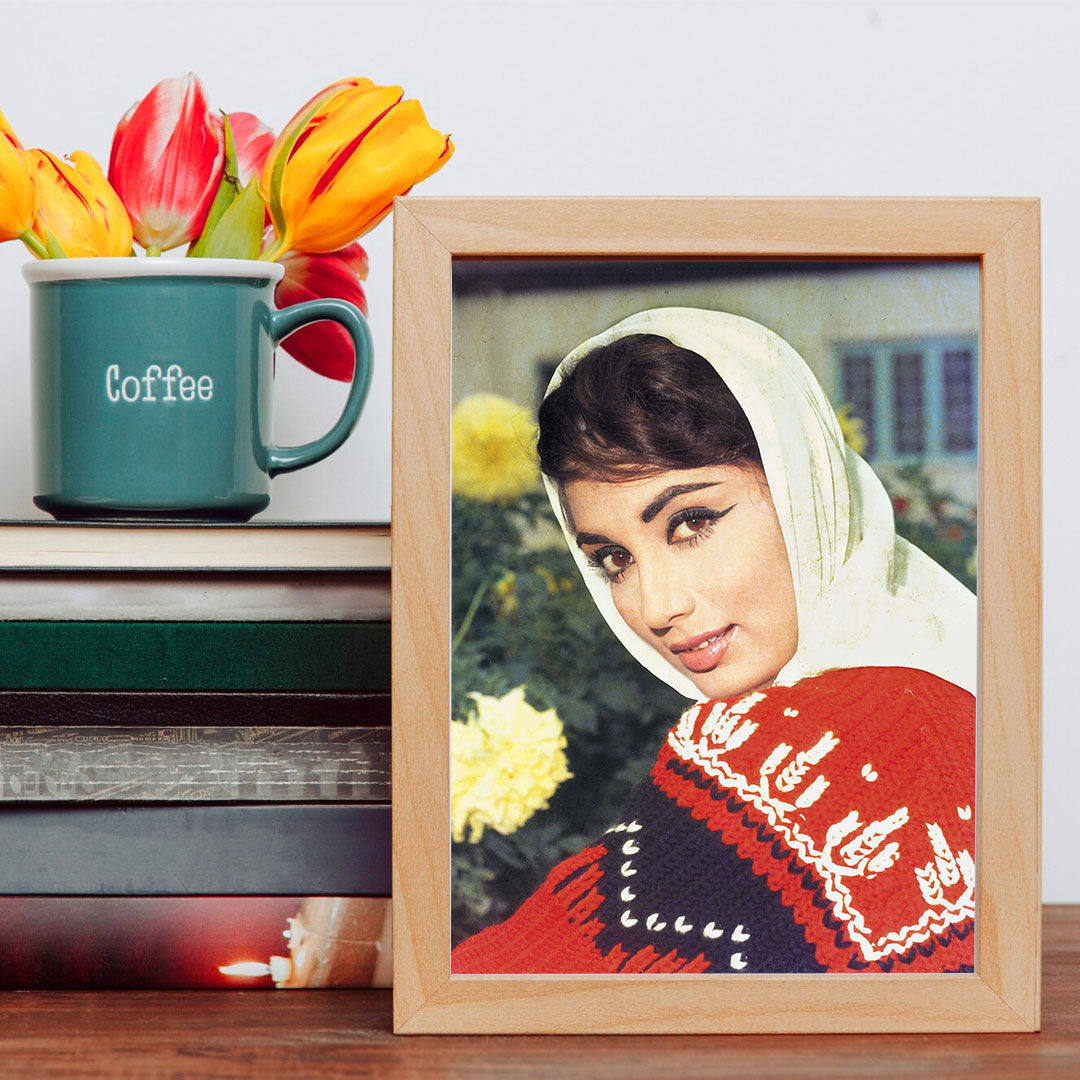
(282, 459)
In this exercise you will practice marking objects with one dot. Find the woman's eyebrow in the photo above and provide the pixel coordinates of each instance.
(591, 538)
(670, 493)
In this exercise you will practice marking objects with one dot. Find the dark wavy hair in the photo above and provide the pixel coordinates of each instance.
(641, 406)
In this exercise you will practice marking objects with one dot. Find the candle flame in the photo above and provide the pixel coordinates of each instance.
(250, 969)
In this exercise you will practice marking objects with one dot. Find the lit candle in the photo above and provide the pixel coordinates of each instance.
(279, 969)
(248, 970)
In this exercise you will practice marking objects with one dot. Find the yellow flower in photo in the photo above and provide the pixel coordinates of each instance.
(853, 427)
(555, 585)
(505, 763)
(492, 442)
(505, 591)
(549, 579)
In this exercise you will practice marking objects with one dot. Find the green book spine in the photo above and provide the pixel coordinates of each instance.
(331, 656)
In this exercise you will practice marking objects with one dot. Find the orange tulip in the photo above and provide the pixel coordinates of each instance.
(334, 171)
(79, 214)
(18, 199)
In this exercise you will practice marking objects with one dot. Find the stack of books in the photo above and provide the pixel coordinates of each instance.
(188, 714)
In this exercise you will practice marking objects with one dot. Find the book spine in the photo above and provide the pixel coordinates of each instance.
(173, 942)
(194, 764)
(261, 850)
(204, 595)
(282, 656)
(49, 545)
(72, 709)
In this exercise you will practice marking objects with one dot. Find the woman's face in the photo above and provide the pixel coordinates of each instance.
(698, 569)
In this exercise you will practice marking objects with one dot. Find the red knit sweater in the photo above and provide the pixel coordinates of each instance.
(826, 826)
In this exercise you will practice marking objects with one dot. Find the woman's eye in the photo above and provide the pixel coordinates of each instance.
(690, 527)
(694, 523)
(613, 563)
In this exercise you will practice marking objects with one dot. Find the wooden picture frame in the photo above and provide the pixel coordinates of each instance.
(1003, 235)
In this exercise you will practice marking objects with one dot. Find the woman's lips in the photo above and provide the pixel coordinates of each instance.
(704, 652)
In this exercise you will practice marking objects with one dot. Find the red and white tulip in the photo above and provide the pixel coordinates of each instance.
(168, 154)
(253, 140)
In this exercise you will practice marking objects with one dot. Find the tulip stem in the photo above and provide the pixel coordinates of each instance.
(151, 250)
(35, 246)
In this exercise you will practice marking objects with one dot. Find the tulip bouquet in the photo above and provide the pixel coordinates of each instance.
(224, 185)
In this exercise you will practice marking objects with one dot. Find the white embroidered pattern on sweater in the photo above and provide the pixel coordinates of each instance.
(706, 733)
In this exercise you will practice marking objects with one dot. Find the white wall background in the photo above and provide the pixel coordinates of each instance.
(665, 97)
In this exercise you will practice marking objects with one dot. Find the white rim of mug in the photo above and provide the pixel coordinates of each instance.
(127, 266)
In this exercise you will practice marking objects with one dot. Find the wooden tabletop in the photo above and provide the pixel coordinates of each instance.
(347, 1033)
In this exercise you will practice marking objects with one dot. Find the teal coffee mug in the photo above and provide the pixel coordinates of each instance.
(153, 386)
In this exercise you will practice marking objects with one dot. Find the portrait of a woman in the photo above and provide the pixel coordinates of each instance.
(812, 810)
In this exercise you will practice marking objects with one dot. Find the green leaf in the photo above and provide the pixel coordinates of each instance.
(227, 192)
(239, 232)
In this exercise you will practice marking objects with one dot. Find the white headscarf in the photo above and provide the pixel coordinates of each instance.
(865, 597)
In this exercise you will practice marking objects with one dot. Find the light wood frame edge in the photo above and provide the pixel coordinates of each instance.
(1003, 234)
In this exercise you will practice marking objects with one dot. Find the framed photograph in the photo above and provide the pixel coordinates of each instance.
(716, 615)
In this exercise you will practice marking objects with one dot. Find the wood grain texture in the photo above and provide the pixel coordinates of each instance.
(194, 764)
(715, 228)
(1008, 797)
(342, 1034)
(125, 546)
(1003, 234)
(420, 620)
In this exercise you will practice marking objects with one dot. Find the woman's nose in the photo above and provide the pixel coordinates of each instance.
(664, 597)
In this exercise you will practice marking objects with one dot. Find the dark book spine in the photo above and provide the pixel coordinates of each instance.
(273, 656)
(238, 850)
